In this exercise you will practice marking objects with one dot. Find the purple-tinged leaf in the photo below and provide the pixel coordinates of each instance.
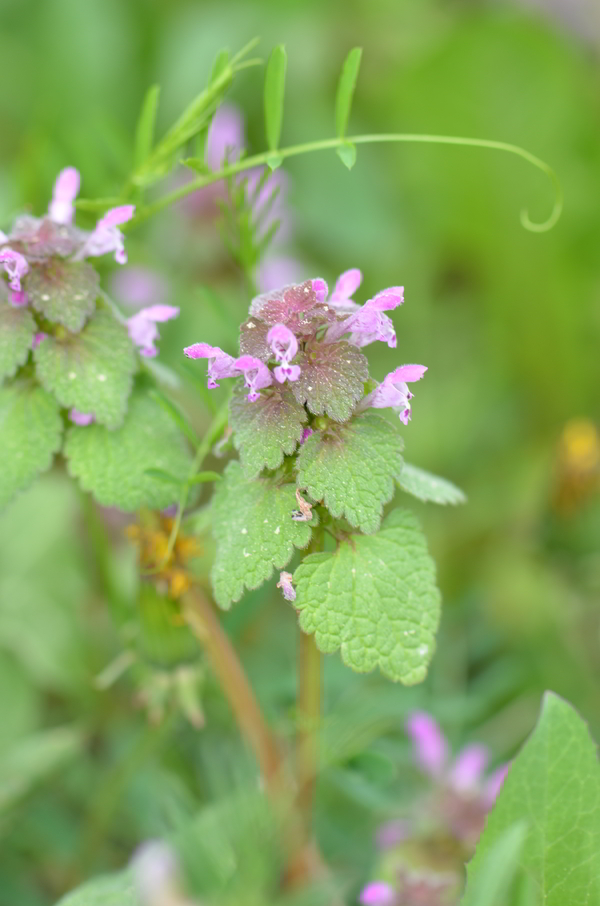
(265, 430)
(332, 379)
(64, 292)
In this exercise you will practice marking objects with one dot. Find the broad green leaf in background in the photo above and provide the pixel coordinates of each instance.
(428, 487)
(554, 786)
(332, 379)
(254, 531)
(266, 429)
(274, 94)
(92, 370)
(352, 468)
(144, 131)
(345, 90)
(375, 598)
(176, 415)
(64, 292)
(31, 431)
(109, 890)
(33, 758)
(113, 465)
(17, 329)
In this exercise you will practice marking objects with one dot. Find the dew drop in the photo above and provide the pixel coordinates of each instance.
(244, 531)
(72, 375)
(45, 297)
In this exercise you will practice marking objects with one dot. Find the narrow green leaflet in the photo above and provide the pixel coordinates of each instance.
(352, 468)
(375, 599)
(30, 434)
(428, 487)
(254, 531)
(92, 370)
(265, 430)
(64, 292)
(345, 91)
(113, 465)
(17, 329)
(332, 379)
(144, 131)
(109, 890)
(273, 95)
(554, 786)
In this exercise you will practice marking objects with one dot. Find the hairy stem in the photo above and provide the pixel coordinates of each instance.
(332, 143)
(309, 712)
(202, 620)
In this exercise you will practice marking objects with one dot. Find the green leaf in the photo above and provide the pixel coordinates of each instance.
(144, 131)
(219, 66)
(110, 890)
(17, 329)
(265, 430)
(554, 786)
(64, 292)
(375, 599)
(162, 475)
(32, 759)
(254, 531)
(332, 379)
(352, 468)
(345, 91)
(274, 161)
(273, 95)
(113, 465)
(92, 370)
(499, 869)
(30, 434)
(428, 487)
(347, 154)
(203, 477)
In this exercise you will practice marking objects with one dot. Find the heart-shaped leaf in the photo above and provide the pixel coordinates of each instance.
(265, 430)
(332, 379)
(17, 329)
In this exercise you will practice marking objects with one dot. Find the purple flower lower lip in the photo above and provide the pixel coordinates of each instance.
(16, 267)
(256, 375)
(393, 391)
(285, 584)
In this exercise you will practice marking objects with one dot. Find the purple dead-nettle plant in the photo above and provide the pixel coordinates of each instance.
(318, 467)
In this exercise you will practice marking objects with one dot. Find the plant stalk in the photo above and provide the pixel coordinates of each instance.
(309, 713)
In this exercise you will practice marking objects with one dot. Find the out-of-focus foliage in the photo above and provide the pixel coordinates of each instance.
(508, 323)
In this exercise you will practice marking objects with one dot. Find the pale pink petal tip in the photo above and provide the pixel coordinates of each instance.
(66, 189)
(117, 216)
(346, 285)
(468, 768)
(285, 584)
(377, 893)
(38, 338)
(81, 418)
(430, 746)
(320, 289)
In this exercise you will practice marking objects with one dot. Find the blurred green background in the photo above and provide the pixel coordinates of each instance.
(507, 321)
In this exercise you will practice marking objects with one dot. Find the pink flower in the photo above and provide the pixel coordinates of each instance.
(430, 746)
(306, 434)
(341, 297)
(143, 330)
(465, 775)
(285, 584)
(81, 418)
(66, 189)
(3, 238)
(393, 391)
(369, 323)
(378, 893)
(220, 364)
(284, 345)
(256, 375)
(107, 237)
(16, 267)
(37, 339)
(225, 137)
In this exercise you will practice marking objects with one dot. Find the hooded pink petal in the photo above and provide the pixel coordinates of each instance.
(378, 893)
(256, 375)
(16, 267)
(430, 746)
(285, 584)
(220, 364)
(107, 237)
(66, 189)
(346, 285)
(467, 770)
(320, 288)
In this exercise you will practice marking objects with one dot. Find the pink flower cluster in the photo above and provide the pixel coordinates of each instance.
(281, 323)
